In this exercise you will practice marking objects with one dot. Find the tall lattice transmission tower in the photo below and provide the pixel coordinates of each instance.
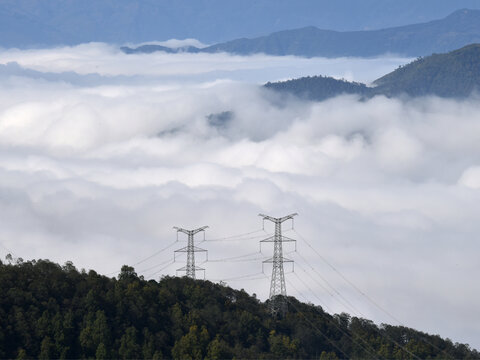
(278, 291)
(190, 249)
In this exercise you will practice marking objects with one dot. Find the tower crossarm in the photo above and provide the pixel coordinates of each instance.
(280, 239)
(272, 239)
(280, 220)
(190, 232)
(184, 268)
(282, 259)
(186, 249)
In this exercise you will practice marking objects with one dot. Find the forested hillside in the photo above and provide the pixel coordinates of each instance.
(318, 88)
(52, 311)
(454, 75)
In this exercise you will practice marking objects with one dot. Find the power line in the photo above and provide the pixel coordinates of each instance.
(370, 349)
(346, 303)
(355, 311)
(241, 277)
(154, 254)
(171, 244)
(234, 257)
(145, 259)
(311, 291)
(332, 322)
(371, 300)
(155, 266)
(234, 237)
(316, 328)
(160, 270)
(347, 280)
(318, 282)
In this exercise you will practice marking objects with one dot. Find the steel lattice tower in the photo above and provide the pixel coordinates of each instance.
(278, 291)
(190, 249)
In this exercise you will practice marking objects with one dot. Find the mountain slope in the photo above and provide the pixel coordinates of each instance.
(49, 311)
(455, 75)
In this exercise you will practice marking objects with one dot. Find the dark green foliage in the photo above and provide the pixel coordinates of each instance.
(318, 88)
(454, 75)
(48, 311)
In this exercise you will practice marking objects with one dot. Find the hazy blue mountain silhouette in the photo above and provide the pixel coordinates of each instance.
(26, 23)
(456, 30)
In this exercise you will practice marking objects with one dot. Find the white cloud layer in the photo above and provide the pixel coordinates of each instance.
(102, 153)
(174, 43)
(109, 61)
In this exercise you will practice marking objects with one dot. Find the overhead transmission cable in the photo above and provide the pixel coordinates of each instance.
(155, 254)
(155, 266)
(318, 282)
(357, 312)
(167, 262)
(316, 328)
(370, 350)
(311, 291)
(348, 281)
(336, 325)
(160, 270)
(368, 298)
(236, 237)
(346, 303)
(242, 277)
(234, 257)
(145, 259)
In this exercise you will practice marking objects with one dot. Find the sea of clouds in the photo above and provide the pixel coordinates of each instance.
(102, 153)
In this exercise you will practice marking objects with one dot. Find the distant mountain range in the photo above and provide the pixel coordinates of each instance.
(456, 30)
(455, 74)
(27, 23)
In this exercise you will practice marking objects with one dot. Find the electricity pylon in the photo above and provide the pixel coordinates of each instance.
(190, 249)
(278, 291)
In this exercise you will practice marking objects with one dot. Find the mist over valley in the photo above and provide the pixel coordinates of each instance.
(102, 152)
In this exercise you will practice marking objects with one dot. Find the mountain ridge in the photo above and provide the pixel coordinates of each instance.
(27, 23)
(460, 28)
(455, 74)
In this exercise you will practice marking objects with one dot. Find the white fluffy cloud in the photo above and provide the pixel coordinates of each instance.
(102, 153)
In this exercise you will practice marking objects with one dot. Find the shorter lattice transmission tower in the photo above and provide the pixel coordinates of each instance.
(278, 291)
(190, 249)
